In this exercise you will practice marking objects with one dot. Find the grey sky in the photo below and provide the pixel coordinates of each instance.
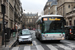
(33, 6)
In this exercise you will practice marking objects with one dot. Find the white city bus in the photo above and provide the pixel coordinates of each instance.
(50, 27)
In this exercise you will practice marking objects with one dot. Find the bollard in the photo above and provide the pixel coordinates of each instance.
(14, 34)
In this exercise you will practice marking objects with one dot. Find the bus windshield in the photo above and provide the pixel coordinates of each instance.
(53, 26)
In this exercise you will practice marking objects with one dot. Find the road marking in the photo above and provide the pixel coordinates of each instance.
(71, 45)
(27, 48)
(64, 47)
(15, 48)
(67, 42)
(39, 47)
(31, 44)
(9, 46)
(34, 42)
(52, 47)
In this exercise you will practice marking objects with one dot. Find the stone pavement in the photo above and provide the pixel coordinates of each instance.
(9, 44)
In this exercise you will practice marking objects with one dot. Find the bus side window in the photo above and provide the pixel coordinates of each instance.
(39, 31)
(40, 27)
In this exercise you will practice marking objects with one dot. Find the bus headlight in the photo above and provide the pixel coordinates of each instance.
(44, 36)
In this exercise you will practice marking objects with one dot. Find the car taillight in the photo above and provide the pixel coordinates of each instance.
(70, 31)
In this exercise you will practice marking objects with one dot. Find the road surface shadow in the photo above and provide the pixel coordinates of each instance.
(51, 42)
(71, 39)
(23, 43)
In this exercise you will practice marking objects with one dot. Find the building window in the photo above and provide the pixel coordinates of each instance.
(28, 20)
(74, 22)
(69, 6)
(6, 0)
(70, 23)
(31, 20)
(35, 16)
(74, 8)
(32, 17)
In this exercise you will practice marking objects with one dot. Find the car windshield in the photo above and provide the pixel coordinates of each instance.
(24, 32)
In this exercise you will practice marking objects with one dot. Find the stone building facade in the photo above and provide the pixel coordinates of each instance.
(47, 8)
(53, 7)
(30, 19)
(18, 13)
(66, 8)
(13, 13)
(50, 7)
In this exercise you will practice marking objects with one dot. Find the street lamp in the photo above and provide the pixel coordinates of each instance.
(24, 21)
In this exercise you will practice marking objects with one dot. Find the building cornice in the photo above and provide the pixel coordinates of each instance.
(65, 3)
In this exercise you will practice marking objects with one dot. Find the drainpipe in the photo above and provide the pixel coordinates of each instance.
(8, 14)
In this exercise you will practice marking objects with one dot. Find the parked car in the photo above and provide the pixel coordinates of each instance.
(24, 36)
(70, 32)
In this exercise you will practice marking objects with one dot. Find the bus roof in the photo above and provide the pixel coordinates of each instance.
(51, 16)
(48, 16)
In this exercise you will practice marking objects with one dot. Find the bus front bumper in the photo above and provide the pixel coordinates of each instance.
(47, 38)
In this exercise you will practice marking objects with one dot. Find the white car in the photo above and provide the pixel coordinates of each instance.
(24, 36)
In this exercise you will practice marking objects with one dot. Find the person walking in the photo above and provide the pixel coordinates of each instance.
(12, 30)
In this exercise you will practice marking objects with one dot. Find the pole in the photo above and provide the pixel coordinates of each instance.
(8, 15)
(3, 31)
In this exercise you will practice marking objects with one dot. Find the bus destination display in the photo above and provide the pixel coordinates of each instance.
(51, 19)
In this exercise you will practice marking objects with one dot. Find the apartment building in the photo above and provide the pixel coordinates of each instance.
(13, 13)
(30, 19)
(50, 7)
(18, 11)
(53, 8)
(66, 8)
(47, 8)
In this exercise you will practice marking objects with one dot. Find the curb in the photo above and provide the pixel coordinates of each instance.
(14, 44)
(9, 47)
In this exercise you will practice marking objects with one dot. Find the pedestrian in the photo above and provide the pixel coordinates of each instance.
(12, 30)
(15, 30)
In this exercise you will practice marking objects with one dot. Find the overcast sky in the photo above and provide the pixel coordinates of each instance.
(33, 6)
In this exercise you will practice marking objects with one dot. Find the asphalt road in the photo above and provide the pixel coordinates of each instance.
(47, 45)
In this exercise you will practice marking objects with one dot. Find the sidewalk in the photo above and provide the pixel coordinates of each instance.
(9, 44)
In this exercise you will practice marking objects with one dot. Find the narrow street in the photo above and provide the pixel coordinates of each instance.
(51, 21)
(47, 45)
